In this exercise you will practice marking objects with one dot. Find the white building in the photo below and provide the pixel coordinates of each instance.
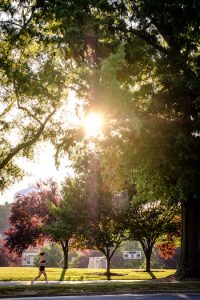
(28, 256)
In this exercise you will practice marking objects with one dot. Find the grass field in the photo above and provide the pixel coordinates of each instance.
(25, 273)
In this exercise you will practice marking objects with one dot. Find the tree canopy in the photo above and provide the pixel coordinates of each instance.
(70, 216)
(147, 221)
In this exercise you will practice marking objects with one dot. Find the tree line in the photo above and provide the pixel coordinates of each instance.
(89, 216)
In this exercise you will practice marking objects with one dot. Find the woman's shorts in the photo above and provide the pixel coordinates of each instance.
(41, 268)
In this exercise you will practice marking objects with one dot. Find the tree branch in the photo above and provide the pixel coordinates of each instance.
(28, 112)
(11, 22)
(8, 108)
(24, 145)
(24, 108)
(149, 39)
(115, 249)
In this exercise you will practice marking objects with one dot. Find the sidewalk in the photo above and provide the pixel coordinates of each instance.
(16, 283)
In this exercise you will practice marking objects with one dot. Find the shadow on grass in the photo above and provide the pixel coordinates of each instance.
(62, 276)
(152, 275)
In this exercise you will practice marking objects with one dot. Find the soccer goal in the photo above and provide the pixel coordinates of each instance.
(97, 263)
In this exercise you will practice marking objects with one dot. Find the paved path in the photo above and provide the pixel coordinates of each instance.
(176, 296)
(14, 283)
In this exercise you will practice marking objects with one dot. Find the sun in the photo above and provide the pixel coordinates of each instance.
(93, 125)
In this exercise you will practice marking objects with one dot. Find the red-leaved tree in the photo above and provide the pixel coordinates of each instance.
(167, 246)
(29, 214)
(8, 258)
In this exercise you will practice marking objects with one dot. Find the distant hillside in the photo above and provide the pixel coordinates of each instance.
(4, 216)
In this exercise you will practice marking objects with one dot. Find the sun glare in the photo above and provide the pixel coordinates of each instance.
(93, 124)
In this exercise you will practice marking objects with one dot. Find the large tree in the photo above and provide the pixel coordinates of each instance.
(158, 120)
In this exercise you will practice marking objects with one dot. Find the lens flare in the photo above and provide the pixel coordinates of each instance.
(93, 125)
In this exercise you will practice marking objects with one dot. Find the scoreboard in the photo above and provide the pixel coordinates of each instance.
(132, 254)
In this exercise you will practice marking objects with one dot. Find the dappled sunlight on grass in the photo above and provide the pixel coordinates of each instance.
(11, 273)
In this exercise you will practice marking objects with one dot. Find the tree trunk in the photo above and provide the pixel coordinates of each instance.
(148, 261)
(65, 249)
(108, 259)
(190, 248)
(147, 247)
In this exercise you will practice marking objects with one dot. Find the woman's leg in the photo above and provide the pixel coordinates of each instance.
(45, 275)
(38, 276)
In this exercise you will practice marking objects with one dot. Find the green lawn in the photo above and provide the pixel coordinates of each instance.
(23, 273)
